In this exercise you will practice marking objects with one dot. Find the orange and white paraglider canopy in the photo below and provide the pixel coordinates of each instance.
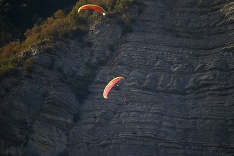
(92, 7)
(110, 85)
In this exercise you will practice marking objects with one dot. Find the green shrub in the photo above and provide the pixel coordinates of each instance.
(7, 69)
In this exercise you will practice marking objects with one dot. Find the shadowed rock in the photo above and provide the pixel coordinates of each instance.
(178, 65)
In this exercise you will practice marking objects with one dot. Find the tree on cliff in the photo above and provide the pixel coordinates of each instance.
(18, 16)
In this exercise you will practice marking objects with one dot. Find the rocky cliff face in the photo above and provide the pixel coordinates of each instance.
(178, 65)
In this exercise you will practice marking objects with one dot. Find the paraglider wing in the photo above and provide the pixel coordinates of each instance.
(110, 85)
(92, 7)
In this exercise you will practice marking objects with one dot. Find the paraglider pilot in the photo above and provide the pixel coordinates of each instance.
(126, 102)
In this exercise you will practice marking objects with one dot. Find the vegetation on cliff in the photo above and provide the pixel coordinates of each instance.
(62, 23)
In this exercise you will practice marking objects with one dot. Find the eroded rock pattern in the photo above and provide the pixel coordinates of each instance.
(178, 65)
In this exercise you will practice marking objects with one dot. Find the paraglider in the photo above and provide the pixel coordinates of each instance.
(92, 7)
(110, 85)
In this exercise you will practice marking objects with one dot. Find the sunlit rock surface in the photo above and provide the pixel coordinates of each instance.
(178, 65)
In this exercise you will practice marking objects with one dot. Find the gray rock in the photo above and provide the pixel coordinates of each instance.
(177, 62)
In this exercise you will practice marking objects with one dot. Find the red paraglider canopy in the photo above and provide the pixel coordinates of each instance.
(92, 7)
(110, 85)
